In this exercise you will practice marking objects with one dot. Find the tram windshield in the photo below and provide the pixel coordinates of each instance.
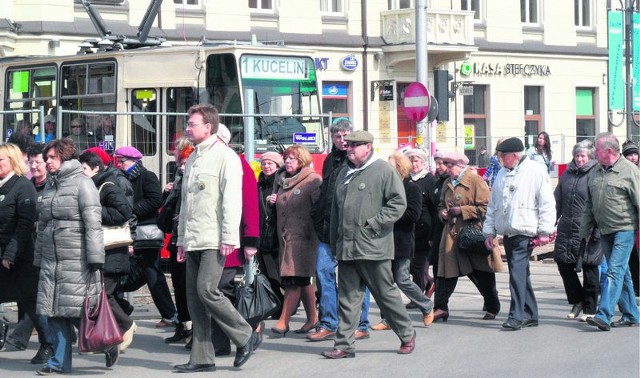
(280, 90)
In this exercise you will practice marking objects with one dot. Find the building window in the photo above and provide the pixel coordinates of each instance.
(332, 6)
(335, 99)
(475, 123)
(582, 13)
(529, 11)
(532, 114)
(471, 5)
(261, 4)
(187, 3)
(400, 4)
(585, 114)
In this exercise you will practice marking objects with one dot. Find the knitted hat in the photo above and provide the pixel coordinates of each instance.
(273, 156)
(629, 148)
(417, 152)
(104, 156)
(512, 144)
(457, 158)
(128, 152)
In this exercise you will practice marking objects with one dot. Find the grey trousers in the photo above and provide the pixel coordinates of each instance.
(206, 302)
(402, 277)
(353, 276)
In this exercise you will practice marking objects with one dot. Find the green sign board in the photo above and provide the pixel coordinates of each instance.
(616, 73)
(20, 81)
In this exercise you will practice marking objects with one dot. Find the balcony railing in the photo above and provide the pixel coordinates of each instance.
(447, 27)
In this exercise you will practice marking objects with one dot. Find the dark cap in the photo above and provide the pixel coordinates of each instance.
(359, 136)
(628, 148)
(510, 145)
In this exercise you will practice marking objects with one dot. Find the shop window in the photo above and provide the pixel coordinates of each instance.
(529, 11)
(335, 98)
(582, 13)
(532, 114)
(585, 114)
(475, 123)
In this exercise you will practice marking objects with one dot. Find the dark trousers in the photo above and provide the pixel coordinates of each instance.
(111, 286)
(523, 300)
(156, 282)
(227, 286)
(179, 279)
(634, 261)
(419, 267)
(484, 281)
(585, 293)
(40, 322)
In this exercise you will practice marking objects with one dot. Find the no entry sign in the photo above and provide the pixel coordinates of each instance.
(416, 101)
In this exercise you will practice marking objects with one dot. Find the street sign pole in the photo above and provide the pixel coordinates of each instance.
(422, 65)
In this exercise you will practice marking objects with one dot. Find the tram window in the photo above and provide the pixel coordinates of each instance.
(178, 101)
(88, 79)
(144, 131)
(28, 89)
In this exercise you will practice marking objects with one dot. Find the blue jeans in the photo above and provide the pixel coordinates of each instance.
(603, 275)
(619, 288)
(61, 329)
(326, 280)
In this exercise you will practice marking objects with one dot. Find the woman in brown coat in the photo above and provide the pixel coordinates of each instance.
(299, 189)
(463, 202)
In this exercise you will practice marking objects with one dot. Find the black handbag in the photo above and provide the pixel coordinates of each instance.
(471, 240)
(136, 278)
(257, 301)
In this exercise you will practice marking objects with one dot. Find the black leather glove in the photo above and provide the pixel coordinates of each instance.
(95, 267)
(580, 259)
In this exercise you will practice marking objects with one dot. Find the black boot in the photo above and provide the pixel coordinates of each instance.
(4, 329)
(180, 335)
(43, 355)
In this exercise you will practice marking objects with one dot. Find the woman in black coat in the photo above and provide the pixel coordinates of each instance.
(147, 199)
(18, 275)
(116, 211)
(403, 238)
(571, 194)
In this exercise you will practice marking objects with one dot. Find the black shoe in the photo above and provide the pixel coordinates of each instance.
(529, 323)
(4, 329)
(44, 353)
(194, 368)
(188, 345)
(180, 335)
(512, 324)
(244, 352)
(623, 323)
(598, 323)
(257, 340)
(48, 371)
(112, 355)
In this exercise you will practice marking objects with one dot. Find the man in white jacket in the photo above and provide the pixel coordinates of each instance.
(208, 231)
(521, 208)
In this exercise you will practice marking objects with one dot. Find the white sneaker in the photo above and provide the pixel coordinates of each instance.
(127, 338)
(584, 317)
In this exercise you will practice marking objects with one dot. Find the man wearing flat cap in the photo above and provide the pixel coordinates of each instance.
(369, 199)
(521, 208)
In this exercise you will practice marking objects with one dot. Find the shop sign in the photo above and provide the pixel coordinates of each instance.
(349, 63)
(321, 63)
(469, 137)
(497, 69)
(386, 93)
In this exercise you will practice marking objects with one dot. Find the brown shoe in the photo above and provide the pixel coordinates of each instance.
(337, 354)
(321, 334)
(360, 335)
(382, 326)
(431, 290)
(428, 318)
(408, 347)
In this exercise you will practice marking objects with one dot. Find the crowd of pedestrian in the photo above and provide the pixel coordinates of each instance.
(366, 226)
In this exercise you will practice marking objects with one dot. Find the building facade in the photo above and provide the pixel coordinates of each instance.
(514, 68)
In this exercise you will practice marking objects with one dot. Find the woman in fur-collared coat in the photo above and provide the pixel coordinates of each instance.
(299, 190)
(463, 202)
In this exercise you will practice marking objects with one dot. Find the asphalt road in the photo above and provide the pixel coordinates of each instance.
(465, 346)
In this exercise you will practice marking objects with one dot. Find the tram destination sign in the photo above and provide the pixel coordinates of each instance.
(305, 138)
(274, 67)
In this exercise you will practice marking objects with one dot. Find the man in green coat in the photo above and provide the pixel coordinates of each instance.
(369, 199)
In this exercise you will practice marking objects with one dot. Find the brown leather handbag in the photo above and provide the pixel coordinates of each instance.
(99, 330)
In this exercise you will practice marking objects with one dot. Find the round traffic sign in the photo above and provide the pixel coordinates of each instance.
(416, 101)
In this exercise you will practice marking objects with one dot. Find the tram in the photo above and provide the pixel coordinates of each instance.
(267, 96)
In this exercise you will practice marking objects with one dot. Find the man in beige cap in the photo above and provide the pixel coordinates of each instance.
(369, 199)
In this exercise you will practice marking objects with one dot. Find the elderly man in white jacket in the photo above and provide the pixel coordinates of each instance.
(521, 208)
(208, 231)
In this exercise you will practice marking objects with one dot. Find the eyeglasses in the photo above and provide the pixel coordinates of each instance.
(449, 165)
(191, 125)
(35, 162)
(75, 126)
(355, 144)
(122, 160)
